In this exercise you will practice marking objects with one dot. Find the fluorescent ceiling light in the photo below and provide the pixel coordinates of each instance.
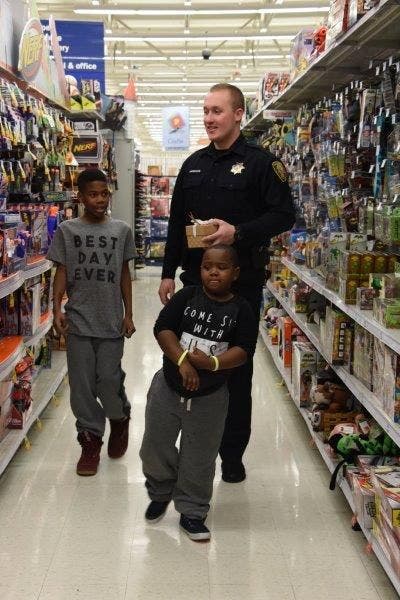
(201, 12)
(174, 84)
(174, 94)
(195, 38)
(138, 58)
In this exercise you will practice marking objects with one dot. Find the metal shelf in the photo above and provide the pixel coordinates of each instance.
(86, 114)
(37, 268)
(10, 284)
(8, 365)
(367, 398)
(390, 337)
(331, 464)
(43, 389)
(373, 37)
(41, 331)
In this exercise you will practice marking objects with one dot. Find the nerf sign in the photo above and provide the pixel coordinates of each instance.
(87, 148)
(31, 49)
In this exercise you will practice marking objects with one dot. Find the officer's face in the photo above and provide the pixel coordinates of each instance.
(221, 120)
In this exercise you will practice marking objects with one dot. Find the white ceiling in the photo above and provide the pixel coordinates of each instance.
(162, 43)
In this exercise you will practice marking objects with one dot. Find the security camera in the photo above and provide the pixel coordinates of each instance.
(206, 53)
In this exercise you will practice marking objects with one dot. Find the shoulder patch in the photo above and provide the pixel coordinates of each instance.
(280, 170)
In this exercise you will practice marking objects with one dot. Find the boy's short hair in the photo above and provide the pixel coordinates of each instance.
(233, 255)
(236, 94)
(88, 176)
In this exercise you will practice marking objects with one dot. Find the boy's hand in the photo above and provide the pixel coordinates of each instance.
(190, 377)
(128, 327)
(60, 323)
(200, 360)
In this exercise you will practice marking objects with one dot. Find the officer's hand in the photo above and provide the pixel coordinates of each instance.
(224, 234)
(166, 290)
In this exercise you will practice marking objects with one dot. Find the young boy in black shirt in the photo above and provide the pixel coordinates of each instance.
(204, 334)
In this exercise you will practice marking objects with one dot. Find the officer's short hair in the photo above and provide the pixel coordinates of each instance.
(236, 94)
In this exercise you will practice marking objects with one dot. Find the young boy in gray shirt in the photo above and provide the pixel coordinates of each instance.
(92, 255)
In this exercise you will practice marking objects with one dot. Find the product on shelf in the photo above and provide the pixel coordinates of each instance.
(301, 51)
(304, 365)
(387, 312)
(332, 333)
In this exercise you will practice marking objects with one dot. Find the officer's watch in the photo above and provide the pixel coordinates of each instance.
(238, 235)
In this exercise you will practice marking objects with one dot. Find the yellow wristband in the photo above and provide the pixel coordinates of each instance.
(182, 358)
(216, 362)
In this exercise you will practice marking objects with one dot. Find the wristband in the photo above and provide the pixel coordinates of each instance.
(182, 357)
(216, 362)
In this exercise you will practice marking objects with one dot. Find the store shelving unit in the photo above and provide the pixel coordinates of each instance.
(348, 58)
(390, 337)
(367, 398)
(10, 284)
(329, 461)
(43, 390)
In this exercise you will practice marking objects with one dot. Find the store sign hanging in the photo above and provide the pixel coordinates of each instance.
(31, 50)
(82, 49)
(87, 149)
(176, 128)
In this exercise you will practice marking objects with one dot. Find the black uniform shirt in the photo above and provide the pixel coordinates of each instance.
(244, 186)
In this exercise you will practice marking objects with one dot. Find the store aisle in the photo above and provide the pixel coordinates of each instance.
(280, 535)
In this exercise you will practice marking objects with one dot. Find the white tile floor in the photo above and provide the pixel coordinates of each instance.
(279, 535)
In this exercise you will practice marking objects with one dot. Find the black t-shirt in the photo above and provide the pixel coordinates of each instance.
(212, 327)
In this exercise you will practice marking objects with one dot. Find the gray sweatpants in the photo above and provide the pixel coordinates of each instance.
(95, 374)
(187, 475)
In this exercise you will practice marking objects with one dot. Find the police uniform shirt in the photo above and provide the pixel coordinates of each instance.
(245, 186)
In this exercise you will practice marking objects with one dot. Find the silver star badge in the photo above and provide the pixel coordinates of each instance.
(237, 169)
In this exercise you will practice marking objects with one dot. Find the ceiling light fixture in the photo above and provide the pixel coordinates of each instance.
(173, 84)
(201, 12)
(195, 38)
(174, 58)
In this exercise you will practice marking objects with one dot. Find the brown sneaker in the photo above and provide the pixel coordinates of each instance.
(90, 457)
(119, 437)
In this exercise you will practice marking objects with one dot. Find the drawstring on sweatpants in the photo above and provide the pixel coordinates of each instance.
(188, 403)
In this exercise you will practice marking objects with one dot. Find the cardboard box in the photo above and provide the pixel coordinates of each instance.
(196, 233)
(153, 170)
(364, 500)
(304, 365)
(363, 355)
(348, 288)
(29, 309)
(285, 327)
(387, 312)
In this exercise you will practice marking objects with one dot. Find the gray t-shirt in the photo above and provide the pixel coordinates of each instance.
(93, 254)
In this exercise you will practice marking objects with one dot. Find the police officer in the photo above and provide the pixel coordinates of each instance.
(245, 190)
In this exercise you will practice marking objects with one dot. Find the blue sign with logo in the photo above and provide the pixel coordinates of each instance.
(82, 49)
(176, 129)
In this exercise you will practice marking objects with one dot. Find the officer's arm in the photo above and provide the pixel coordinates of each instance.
(176, 231)
(277, 205)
